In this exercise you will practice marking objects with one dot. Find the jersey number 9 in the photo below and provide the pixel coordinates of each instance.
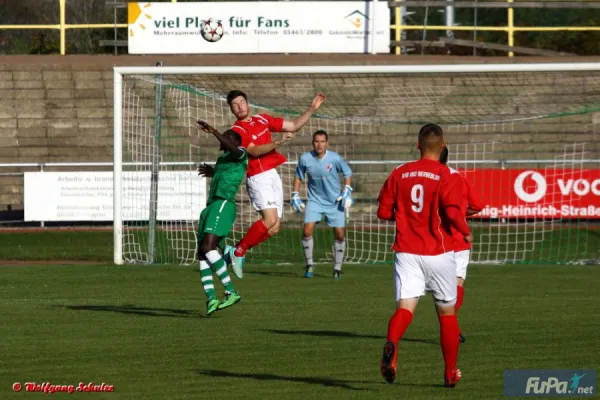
(416, 195)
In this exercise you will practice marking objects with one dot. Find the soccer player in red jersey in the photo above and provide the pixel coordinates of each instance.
(422, 199)
(263, 183)
(471, 205)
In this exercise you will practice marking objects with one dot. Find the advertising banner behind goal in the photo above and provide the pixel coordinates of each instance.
(88, 196)
(537, 193)
(257, 27)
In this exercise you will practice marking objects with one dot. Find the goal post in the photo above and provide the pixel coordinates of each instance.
(500, 120)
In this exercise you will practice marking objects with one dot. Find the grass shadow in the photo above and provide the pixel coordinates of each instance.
(313, 380)
(131, 309)
(342, 334)
(274, 273)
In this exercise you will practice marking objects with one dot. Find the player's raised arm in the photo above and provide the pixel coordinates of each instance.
(387, 198)
(298, 123)
(228, 144)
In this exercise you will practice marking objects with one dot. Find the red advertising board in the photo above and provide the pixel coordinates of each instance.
(537, 193)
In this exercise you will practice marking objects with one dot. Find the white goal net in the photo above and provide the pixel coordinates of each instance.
(501, 127)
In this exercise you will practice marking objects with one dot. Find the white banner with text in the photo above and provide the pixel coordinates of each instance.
(258, 27)
(88, 196)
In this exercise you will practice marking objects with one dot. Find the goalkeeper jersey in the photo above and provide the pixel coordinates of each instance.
(323, 176)
(229, 174)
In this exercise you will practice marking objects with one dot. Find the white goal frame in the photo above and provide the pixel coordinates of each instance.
(120, 72)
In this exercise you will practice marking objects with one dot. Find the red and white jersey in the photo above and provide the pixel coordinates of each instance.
(469, 200)
(416, 195)
(257, 131)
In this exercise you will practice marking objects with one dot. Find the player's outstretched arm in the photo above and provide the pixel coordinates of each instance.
(298, 123)
(257, 151)
(225, 141)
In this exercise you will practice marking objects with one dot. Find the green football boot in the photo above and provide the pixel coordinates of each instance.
(230, 299)
(212, 305)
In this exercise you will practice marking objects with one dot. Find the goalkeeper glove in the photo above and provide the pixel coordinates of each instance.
(296, 203)
(345, 198)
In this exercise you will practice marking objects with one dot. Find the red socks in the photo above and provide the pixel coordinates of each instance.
(257, 233)
(460, 291)
(449, 340)
(398, 324)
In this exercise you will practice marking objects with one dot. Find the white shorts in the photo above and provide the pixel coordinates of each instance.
(266, 191)
(462, 261)
(415, 275)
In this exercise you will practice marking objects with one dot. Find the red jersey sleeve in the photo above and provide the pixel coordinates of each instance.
(451, 191)
(450, 199)
(474, 201)
(387, 198)
(275, 124)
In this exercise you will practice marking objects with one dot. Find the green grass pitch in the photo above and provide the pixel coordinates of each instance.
(143, 330)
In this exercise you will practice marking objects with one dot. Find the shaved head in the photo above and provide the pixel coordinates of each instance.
(431, 140)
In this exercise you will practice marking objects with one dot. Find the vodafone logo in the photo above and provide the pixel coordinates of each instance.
(540, 191)
(569, 187)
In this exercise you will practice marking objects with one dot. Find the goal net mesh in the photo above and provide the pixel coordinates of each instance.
(499, 127)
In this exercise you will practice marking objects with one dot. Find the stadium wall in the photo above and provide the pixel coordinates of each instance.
(59, 109)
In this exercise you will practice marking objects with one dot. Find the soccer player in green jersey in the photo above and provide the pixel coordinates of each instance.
(216, 220)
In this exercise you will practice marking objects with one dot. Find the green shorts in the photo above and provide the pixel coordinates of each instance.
(217, 219)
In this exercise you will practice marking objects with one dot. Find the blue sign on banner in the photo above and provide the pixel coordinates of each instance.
(548, 382)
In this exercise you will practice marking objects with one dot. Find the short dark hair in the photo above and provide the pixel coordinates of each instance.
(444, 156)
(236, 136)
(321, 132)
(235, 93)
(429, 132)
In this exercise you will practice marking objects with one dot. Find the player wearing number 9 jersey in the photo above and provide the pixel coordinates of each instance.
(422, 200)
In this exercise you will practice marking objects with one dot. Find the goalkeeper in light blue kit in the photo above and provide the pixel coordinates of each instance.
(325, 198)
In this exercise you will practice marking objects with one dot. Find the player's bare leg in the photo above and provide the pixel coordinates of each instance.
(260, 231)
(339, 250)
(460, 290)
(405, 309)
(449, 332)
(307, 245)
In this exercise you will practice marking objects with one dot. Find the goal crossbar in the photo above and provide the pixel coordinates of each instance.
(362, 69)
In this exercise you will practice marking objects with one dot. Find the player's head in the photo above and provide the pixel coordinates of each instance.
(444, 155)
(238, 103)
(233, 136)
(320, 141)
(431, 141)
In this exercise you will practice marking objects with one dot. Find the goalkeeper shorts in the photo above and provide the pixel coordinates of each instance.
(334, 217)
